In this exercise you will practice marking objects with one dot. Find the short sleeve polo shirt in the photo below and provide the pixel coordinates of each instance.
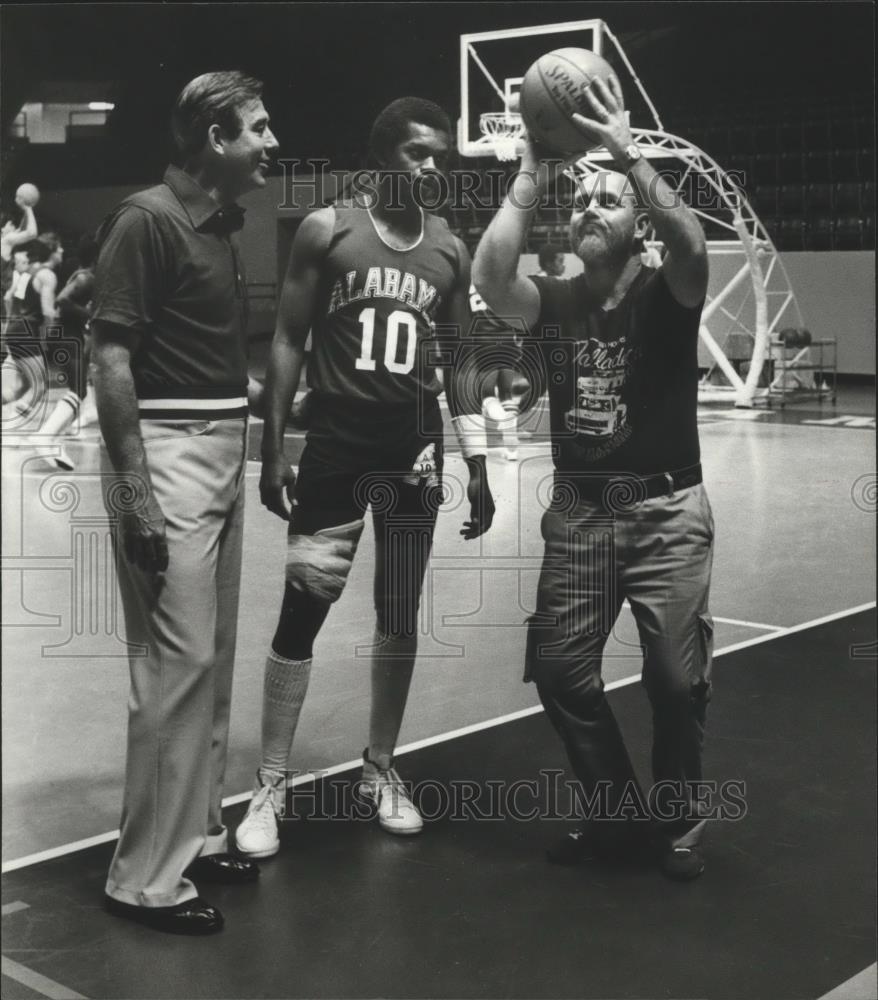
(169, 269)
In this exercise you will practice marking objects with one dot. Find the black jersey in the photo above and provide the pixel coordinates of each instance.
(376, 311)
(26, 309)
(374, 347)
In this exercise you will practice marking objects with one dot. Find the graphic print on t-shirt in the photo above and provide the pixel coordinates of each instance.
(599, 415)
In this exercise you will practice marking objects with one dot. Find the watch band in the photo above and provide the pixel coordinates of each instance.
(632, 155)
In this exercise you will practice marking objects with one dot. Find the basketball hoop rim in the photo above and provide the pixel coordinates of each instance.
(501, 124)
(501, 133)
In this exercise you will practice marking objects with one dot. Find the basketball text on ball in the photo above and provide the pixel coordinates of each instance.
(562, 84)
(554, 89)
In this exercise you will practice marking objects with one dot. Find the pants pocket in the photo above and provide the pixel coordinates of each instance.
(708, 515)
(530, 651)
(162, 430)
(705, 645)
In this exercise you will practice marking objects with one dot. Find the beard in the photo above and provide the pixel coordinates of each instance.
(600, 247)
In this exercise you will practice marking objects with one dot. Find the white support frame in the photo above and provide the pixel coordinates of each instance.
(770, 296)
(481, 145)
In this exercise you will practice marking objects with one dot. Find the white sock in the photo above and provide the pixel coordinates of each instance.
(62, 416)
(509, 427)
(283, 692)
(492, 409)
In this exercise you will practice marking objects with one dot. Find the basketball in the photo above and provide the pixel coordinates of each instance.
(27, 194)
(552, 91)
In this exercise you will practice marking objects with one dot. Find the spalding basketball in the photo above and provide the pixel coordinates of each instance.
(27, 194)
(553, 90)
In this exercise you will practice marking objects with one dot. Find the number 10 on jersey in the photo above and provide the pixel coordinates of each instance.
(399, 318)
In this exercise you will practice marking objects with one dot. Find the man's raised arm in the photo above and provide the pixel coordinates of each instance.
(495, 265)
(685, 266)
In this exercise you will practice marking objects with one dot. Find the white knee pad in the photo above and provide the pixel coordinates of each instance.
(319, 564)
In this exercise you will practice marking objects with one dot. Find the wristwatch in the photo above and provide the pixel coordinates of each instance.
(632, 154)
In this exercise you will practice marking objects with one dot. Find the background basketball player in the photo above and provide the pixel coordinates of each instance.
(31, 305)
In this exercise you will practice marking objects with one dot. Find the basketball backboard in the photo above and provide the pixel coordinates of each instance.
(493, 64)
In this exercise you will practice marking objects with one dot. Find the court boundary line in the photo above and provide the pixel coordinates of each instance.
(36, 981)
(14, 907)
(50, 854)
(757, 625)
(853, 988)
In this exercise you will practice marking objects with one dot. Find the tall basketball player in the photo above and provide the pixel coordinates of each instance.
(372, 279)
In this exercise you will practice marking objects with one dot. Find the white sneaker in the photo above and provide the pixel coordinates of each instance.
(396, 813)
(51, 450)
(256, 835)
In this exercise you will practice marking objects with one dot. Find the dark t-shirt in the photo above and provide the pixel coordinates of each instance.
(26, 311)
(623, 382)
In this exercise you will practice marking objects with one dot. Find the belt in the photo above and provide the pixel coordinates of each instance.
(624, 491)
(172, 408)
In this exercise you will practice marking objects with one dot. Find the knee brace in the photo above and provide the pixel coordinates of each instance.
(319, 564)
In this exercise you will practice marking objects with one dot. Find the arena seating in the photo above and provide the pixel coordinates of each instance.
(811, 179)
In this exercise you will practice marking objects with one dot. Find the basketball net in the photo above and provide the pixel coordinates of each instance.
(503, 129)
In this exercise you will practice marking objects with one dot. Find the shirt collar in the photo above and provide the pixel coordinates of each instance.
(204, 213)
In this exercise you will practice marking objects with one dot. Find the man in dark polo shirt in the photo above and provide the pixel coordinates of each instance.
(630, 517)
(170, 374)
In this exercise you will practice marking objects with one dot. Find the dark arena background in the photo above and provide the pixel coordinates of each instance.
(772, 107)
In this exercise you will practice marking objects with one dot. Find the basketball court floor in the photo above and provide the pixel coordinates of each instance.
(470, 908)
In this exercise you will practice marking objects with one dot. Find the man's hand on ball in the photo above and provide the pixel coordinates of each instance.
(610, 123)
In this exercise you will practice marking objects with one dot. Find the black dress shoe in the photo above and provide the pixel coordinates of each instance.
(225, 868)
(195, 916)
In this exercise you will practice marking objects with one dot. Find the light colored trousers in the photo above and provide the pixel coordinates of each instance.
(181, 686)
